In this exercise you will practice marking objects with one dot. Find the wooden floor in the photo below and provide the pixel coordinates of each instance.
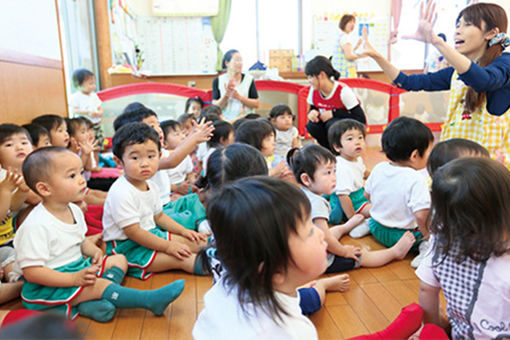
(372, 302)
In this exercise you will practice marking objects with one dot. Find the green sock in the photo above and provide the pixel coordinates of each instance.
(114, 274)
(102, 310)
(154, 300)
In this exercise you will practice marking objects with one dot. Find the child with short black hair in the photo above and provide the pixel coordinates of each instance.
(347, 139)
(194, 106)
(314, 168)
(469, 255)
(258, 295)
(136, 112)
(212, 110)
(223, 136)
(57, 128)
(286, 136)
(133, 221)
(51, 248)
(260, 134)
(39, 135)
(450, 149)
(398, 192)
(186, 121)
(86, 102)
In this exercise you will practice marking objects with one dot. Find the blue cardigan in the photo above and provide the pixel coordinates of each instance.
(493, 79)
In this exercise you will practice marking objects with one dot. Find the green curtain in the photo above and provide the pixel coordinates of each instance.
(219, 25)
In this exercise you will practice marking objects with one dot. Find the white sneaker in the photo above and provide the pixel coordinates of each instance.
(422, 248)
(360, 230)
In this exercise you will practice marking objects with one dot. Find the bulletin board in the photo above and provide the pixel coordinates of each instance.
(169, 45)
(195, 8)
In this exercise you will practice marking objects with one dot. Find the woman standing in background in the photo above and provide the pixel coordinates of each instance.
(343, 59)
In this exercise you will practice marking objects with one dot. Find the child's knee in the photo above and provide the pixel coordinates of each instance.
(118, 260)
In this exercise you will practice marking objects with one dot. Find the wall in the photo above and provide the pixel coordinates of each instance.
(32, 79)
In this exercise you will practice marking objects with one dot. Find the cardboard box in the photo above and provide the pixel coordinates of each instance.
(281, 59)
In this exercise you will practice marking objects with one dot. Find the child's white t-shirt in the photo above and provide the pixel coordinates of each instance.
(349, 175)
(44, 240)
(223, 318)
(478, 294)
(162, 181)
(89, 102)
(126, 205)
(396, 193)
(283, 141)
(178, 174)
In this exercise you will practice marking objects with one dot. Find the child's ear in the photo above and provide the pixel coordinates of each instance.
(337, 148)
(43, 189)
(414, 155)
(305, 179)
(118, 161)
(278, 279)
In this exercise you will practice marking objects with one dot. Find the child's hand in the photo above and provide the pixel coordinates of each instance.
(368, 50)
(313, 116)
(96, 259)
(182, 188)
(88, 147)
(96, 239)
(281, 170)
(85, 277)
(351, 252)
(83, 205)
(202, 131)
(96, 114)
(194, 236)
(326, 115)
(178, 250)
(12, 181)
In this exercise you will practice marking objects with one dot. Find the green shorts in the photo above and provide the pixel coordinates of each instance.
(38, 297)
(389, 236)
(358, 199)
(138, 257)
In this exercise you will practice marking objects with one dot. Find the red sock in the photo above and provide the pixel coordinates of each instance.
(431, 331)
(405, 325)
(18, 315)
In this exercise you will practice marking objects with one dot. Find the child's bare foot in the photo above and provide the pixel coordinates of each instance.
(337, 283)
(339, 230)
(401, 248)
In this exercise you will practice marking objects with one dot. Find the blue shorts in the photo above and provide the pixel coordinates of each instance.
(309, 300)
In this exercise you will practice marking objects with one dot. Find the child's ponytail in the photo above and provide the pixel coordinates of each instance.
(321, 64)
(494, 16)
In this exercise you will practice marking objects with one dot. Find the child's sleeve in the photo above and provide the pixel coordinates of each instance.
(97, 102)
(419, 195)
(124, 211)
(31, 244)
(368, 183)
(157, 205)
(344, 181)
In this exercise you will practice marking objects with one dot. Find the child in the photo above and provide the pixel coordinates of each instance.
(86, 102)
(469, 256)
(39, 136)
(186, 120)
(194, 106)
(347, 138)
(329, 99)
(286, 135)
(280, 251)
(133, 209)
(260, 134)
(223, 135)
(448, 150)
(180, 177)
(57, 128)
(51, 245)
(136, 112)
(15, 145)
(476, 76)
(80, 143)
(9, 184)
(238, 161)
(399, 193)
(314, 169)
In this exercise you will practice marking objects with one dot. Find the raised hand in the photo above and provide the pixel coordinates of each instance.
(12, 180)
(368, 50)
(425, 30)
(202, 131)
